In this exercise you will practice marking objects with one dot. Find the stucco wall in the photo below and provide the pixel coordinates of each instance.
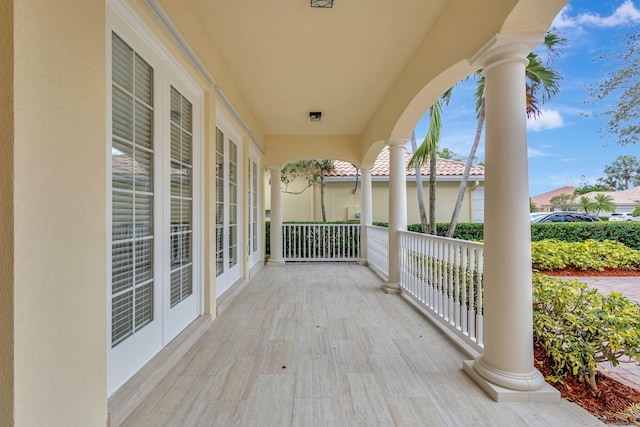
(6, 211)
(339, 196)
(60, 212)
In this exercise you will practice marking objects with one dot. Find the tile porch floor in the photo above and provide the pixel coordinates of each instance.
(322, 345)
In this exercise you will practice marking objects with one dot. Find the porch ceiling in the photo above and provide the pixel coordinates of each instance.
(288, 59)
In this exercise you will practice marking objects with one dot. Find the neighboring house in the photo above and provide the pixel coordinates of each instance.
(625, 200)
(343, 189)
(542, 201)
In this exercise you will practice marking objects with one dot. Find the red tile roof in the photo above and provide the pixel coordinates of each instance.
(444, 167)
(543, 199)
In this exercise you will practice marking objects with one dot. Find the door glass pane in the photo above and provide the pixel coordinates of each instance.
(132, 192)
(219, 202)
(233, 204)
(181, 228)
(254, 196)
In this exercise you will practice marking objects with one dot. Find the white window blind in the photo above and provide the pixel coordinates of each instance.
(132, 192)
(233, 204)
(181, 231)
(253, 206)
(219, 202)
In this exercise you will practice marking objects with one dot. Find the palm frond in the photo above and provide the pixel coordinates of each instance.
(430, 143)
(543, 84)
(478, 95)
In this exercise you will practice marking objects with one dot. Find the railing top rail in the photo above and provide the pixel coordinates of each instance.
(467, 243)
(321, 224)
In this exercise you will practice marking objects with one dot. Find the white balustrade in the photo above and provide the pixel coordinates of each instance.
(321, 242)
(378, 250)
(444, 276)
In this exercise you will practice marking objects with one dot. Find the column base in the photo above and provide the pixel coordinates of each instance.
(363, 262)
(391, 288)
(275, 261)
(523, 388)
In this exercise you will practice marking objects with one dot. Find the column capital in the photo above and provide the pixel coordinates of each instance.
(396, 142)
(274, 168)
(365, 168)
(506, 48)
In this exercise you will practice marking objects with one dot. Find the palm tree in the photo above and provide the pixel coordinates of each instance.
(586, 204)
(419, 189)
(427, 151)
(542, 84)
(604, 202)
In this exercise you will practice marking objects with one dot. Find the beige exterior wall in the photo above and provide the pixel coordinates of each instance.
(60, 213)
(6, 212)
(341, 202)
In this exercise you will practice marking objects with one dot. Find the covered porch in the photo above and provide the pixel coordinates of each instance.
(132, 212)
(321, 344)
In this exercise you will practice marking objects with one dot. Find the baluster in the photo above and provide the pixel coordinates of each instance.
(445, 282)
(479, 308)
(293, 239)
(472, 297)
(432, 276)
(463, 287)
(438, 271)
(452, 284)
(456, 291)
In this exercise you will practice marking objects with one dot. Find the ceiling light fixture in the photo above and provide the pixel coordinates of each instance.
(322, 3)
(315, 116)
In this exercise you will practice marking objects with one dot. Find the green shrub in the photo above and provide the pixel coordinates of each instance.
(588, 255)
(636, 211)
(627, 233)
(579, 327)
(464, 230)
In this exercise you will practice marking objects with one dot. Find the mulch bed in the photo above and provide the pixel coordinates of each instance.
(593, 273)
(608, 403)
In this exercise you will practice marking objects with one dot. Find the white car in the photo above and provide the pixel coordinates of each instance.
(623, 216)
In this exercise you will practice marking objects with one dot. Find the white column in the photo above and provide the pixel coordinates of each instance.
(276, 217)
(397, 210)
(505, 370)
(366, 212)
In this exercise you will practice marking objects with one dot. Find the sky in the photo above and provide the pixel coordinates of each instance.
(565, 147)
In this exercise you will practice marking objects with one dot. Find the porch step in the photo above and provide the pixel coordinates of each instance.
(122, 403)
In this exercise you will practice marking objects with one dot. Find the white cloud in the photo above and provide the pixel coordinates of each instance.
(625, 14)
(548, 119)
(534, 152)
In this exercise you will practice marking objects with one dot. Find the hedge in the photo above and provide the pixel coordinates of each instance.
(587, 255)
(627, 233)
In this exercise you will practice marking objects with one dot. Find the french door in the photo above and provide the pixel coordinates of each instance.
(155, 138)
(229, 261)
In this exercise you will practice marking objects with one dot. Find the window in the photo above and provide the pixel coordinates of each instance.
(219, 202)
(155, 141)
(132, 255)
(181, 198)
(229, 263)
